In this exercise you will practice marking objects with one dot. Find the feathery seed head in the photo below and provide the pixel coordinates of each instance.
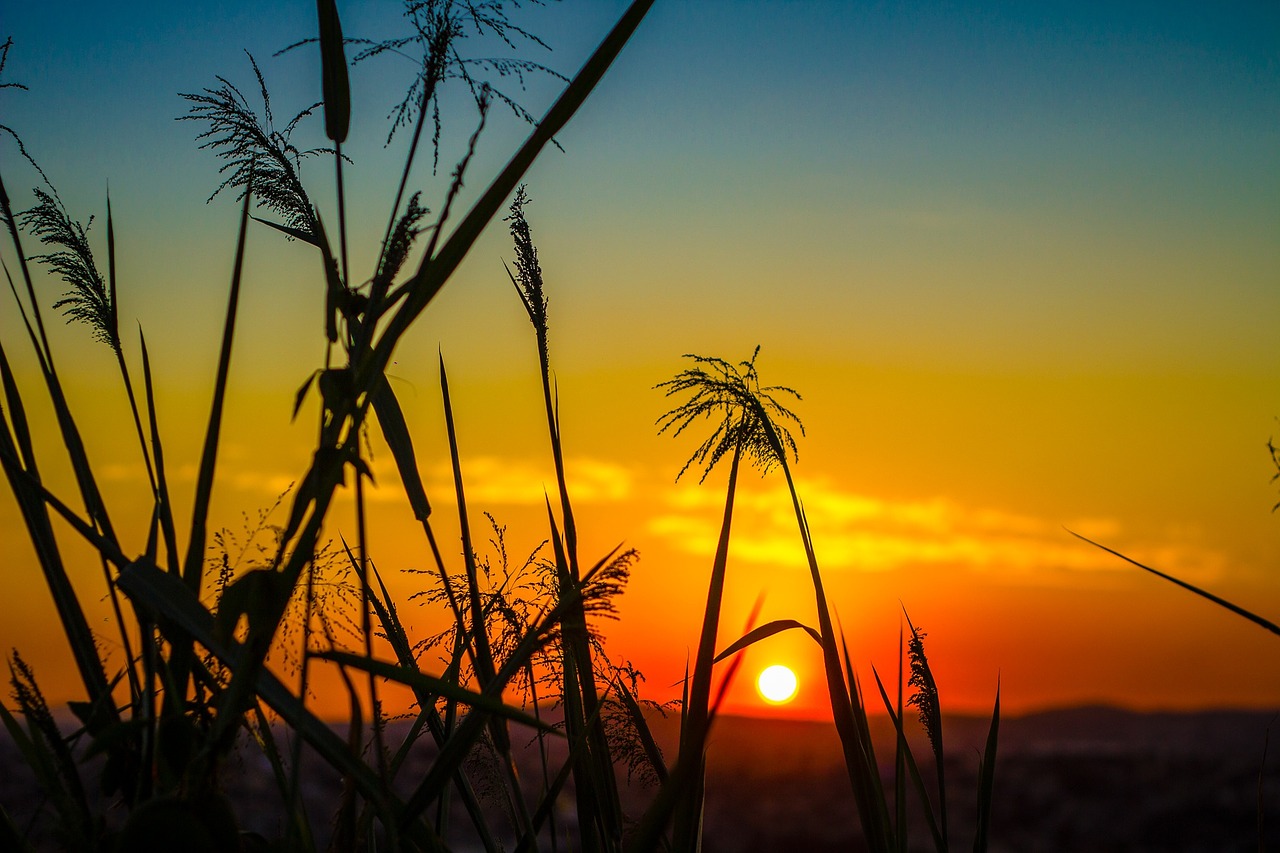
(528, 275)
(926, 696)
(88, 300)
(252, 146)
(750, 415)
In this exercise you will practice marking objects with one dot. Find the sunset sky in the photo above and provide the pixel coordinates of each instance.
(1022, 261)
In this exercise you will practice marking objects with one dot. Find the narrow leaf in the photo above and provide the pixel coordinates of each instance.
(396, 433)
(333, 71)
(435, 685)
(768, 630)
(296, 233)
(1221, 602)
(986, 779)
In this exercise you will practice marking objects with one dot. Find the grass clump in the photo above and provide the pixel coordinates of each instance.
(524, 636)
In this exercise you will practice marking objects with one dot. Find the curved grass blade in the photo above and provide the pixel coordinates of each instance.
(767, 630)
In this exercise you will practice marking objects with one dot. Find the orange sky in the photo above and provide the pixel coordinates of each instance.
(1010, 312)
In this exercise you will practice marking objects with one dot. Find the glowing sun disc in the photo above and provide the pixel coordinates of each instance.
(777, 684)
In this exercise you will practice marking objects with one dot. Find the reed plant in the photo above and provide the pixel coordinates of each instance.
(196, 635)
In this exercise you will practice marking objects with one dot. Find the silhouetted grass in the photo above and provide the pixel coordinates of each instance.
(196, 637)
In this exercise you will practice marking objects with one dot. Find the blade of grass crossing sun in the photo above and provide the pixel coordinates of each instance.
(767, 630)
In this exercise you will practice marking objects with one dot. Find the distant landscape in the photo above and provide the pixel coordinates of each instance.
(1077, 779)
(417, 440)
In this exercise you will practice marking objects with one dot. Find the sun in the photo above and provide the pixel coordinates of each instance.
(777, 684)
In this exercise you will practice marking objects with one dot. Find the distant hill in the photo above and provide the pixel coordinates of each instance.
(1088, 779)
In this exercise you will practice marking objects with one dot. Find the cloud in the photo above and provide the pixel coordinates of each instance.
(495, 481)
(862, 532)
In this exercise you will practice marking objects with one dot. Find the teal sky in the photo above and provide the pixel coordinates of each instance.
(1023, 260)
(1044, 153)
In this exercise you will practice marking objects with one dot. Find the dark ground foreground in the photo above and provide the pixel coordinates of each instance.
(1084, 779)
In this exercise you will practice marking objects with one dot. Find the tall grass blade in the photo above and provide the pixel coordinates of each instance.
(396, 433)
(1221, 602)
(480, 638)
(113, 305)
(24, 481)
(868, 768)
(193, 565)
(164, 506)
(686, 831)
(986, 780)
(913, 769)
(586, 792)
